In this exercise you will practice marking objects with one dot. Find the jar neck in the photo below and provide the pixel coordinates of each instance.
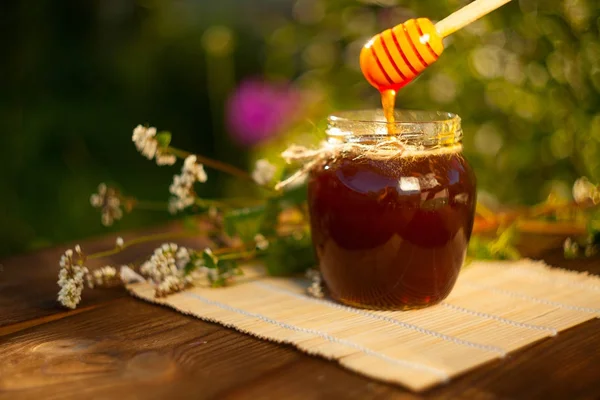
(416, 130)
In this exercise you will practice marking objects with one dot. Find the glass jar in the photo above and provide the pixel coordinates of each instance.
(391, 232)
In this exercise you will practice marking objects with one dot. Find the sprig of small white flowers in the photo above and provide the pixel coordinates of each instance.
(71, 277)
(264, 172)
(170, 268)
(146, 143)
(171, 284)
(165, 261)
(109, 202)
(104, 276)
(166, 268)
(182, 187)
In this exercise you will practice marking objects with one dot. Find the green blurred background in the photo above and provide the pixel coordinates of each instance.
(77, 76)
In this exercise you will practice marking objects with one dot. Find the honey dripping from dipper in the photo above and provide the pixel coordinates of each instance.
(394, 57)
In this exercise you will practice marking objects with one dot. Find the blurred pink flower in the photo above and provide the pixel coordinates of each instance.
(259, 110)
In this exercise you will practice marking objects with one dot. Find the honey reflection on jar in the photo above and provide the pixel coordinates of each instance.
(392, 233)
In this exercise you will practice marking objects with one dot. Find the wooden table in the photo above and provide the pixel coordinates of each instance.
(114, 346)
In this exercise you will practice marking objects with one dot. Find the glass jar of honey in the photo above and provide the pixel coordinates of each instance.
(391, 228)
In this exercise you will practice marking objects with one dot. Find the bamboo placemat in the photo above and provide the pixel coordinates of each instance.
(495, 308)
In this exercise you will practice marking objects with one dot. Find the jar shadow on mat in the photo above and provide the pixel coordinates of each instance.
(391, 214)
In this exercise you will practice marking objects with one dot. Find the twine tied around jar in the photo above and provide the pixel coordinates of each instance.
(386, 149)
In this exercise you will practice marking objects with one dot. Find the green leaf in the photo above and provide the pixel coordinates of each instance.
(245, 222)
(196, 261)
(189, 268)
(503, 245)
(478, 249)
(163, 138)
(271, 215)
(289, 255)
(210, 260)
(225, 270)
(501, 248)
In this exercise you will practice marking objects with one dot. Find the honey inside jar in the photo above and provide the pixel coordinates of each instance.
(392, 232)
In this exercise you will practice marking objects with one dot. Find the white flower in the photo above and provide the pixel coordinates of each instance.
(174, 205)
(128, 275)
(183, 185)
(263, 172)
(172, 284)
(167, 260)
(192, 168)
(119, 243)
(70, 295)
(261, 242)
(183, 257)
(165, 158)
(71, 277)
(166, 268)
(584, 190)
(108, 201)
(102, 277)
(146, 143)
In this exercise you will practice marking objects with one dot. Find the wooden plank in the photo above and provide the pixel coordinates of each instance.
(130, 349)
(312, 378)
(29, 289)
(118, 346)
(28, 282)
(564, 367)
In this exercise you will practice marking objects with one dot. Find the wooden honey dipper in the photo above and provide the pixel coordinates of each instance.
(394, 57)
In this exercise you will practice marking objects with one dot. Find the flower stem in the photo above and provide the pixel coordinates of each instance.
(144, 239)
(485, 212)
(530, 226)
(218, 165)
(162, 206)
(546, 209)
(236, 255)
(211, 203)
(551, 228)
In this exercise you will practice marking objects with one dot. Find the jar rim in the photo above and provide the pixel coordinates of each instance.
(417, 128)
(402, 117)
